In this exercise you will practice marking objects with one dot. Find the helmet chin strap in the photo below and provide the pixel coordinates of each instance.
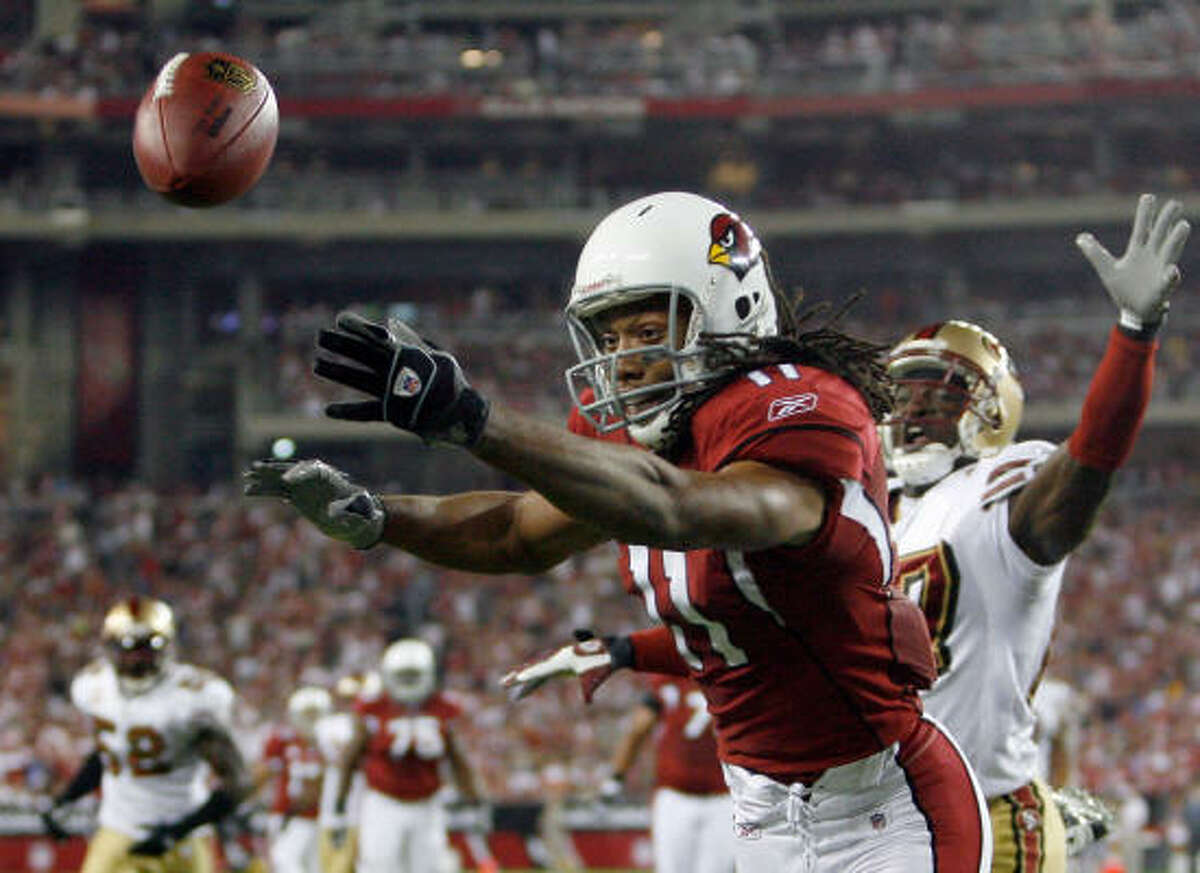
(926, 465)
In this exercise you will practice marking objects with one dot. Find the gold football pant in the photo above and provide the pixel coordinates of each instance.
(1027, 832)
(337, 859)
(108, 852)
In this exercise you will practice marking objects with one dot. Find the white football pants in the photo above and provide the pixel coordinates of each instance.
(692, 833)
(399, 836)
(294, 845)
(912, 808)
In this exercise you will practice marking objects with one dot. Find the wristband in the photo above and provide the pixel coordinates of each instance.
(1115, 404)
(620, 650)
(1135, 327)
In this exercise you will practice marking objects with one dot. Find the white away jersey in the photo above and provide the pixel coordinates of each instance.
(152, 772)
(990, 610)
(334, 733)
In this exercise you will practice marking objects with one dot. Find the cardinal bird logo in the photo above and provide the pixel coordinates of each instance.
(733, 244)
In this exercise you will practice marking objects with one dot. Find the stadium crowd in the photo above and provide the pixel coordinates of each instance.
(714, 52)
(1056, 355)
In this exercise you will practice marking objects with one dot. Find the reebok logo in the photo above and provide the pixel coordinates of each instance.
(747, 830)
(786, 407)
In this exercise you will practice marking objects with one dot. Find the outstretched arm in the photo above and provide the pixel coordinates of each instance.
(618, 491)
(477, 531)
(635, 496)
(1052, 515)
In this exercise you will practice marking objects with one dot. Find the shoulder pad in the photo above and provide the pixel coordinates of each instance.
(212, 697)
(87, 683)
(1012, 470)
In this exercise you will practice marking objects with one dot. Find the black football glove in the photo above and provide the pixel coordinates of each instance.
(413, 385)
(158, 842)
(51, 824)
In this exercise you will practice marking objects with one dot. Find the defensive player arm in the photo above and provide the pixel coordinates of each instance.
(233, 784)
(1053, 514)
(84, 782)
(635, 496)
(214, 745)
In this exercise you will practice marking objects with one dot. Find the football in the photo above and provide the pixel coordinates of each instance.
(205, 129)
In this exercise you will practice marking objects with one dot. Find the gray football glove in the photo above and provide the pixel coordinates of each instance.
(1140, 282)
(1087, 819)
(324, 495)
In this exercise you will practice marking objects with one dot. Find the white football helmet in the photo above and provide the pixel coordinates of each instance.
(139, 636)
(408, 670)
(681, 246)
(957, 358)
(308, 705)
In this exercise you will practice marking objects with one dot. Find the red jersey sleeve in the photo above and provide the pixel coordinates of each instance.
(654, 651)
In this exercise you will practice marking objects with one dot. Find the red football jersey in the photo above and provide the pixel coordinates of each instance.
(795, 648)
(405, 744)
(297, 766)
(685, 747)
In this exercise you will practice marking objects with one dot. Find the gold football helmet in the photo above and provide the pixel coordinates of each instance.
(957, 396)
(139, 635)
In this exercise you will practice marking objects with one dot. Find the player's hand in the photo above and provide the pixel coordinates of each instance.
(1140, 282)
(1086, 818)
(324, 495)
(588, 658)
(47, 812)
(158, 842)
(412, 385)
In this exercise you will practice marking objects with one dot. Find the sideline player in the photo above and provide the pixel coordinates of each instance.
(691, 813)
(402, 738)
(338, 840)
(292, 760)
(734, 455)
(162, 729)
(984, 524)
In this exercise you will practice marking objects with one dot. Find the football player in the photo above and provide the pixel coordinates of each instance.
(292, 760)
(403, 736)
(338, 840)
(162, 737)
(734, 455)
(691, 811)
(984, 524)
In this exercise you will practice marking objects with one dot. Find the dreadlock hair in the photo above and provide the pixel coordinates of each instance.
(860, 362)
